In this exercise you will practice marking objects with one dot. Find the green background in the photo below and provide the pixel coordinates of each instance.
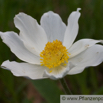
(21, 90)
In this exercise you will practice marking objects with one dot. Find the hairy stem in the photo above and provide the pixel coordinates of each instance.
(65, 86)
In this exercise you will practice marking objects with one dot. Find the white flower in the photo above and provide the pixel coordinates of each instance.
(47, 49)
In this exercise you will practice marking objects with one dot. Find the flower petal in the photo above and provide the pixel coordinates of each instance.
(57, 73)
(72, 29)
(53, 26)
(24, 69)
(30, 31)
(76, 70)
(17, 47)
(81, 45)
(93, 56)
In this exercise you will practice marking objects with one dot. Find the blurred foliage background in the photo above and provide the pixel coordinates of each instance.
(21, 90)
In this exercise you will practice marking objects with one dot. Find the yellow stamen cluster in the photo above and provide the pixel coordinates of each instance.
(54, 54)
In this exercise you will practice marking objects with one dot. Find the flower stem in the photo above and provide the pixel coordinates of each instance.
(65, 87)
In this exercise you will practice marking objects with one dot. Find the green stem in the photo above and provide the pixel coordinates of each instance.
(65, 87)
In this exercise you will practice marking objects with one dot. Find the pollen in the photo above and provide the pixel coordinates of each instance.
(54, 54)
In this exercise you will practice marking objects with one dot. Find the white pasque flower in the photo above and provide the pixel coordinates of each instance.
(48, 49)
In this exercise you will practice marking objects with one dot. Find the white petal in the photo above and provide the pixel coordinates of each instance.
(72, 28)
(53, 26)
(57, 73)
(30, 31)
(81, 45)
(17, 47)
(93, 56)
(76, 70)
(31, 48)
(24, 69)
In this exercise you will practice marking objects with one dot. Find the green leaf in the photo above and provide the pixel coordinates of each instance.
(99, 91)
(48, 89)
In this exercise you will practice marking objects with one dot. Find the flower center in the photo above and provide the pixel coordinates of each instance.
(54, 54)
